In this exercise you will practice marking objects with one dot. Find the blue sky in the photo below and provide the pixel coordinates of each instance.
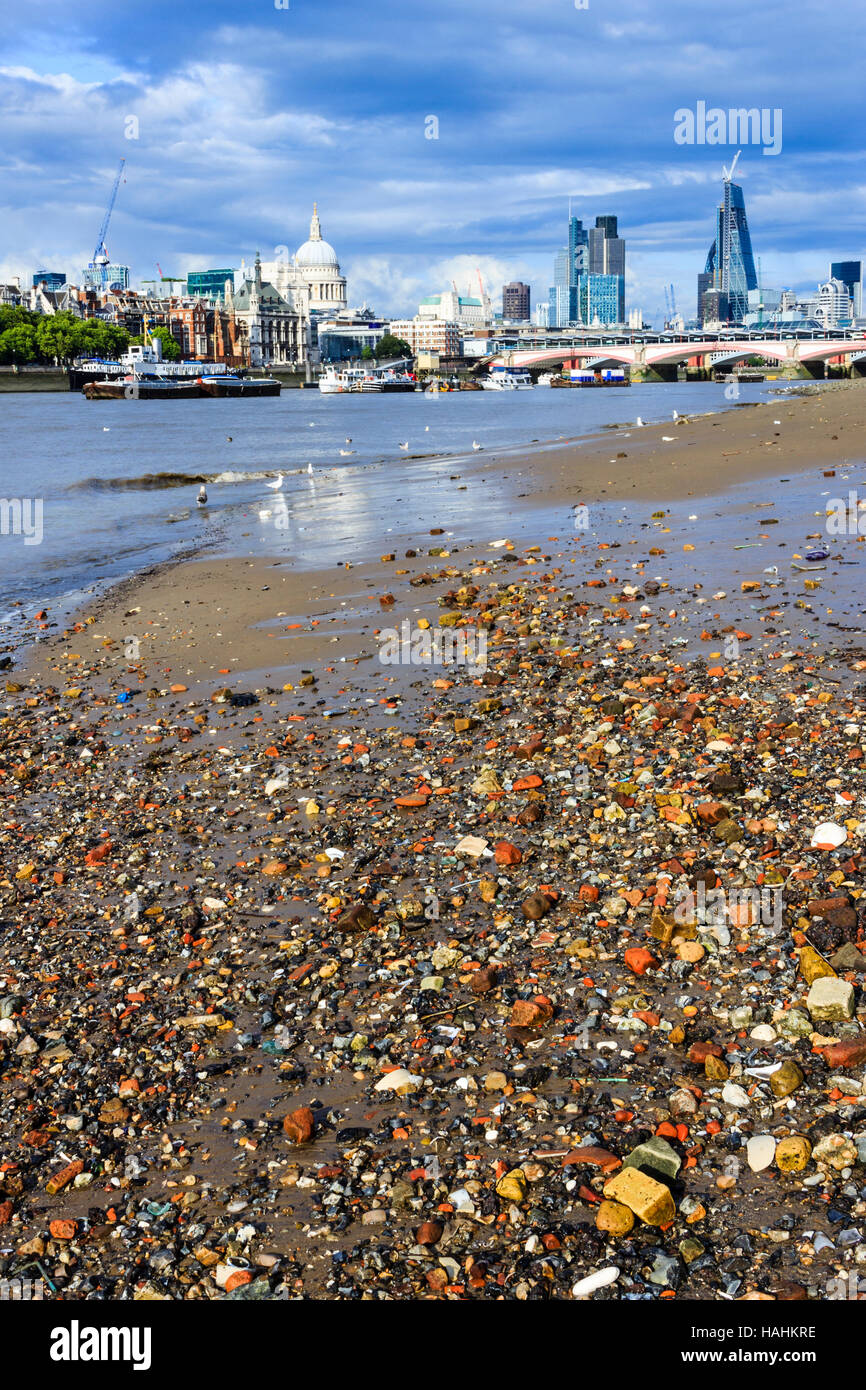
(248, 112)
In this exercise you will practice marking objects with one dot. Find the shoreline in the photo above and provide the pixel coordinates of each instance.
(270, 591)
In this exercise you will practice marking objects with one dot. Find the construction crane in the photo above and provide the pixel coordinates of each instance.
(99, 264)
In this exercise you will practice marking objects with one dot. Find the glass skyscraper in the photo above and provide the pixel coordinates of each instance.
(851, 275)
(607, 257)
(730, 260)
(593, 257)
(599, 299)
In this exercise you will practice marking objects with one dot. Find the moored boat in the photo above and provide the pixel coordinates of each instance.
(335, 381)
(228, 385)
(508, 379)
(135, 388)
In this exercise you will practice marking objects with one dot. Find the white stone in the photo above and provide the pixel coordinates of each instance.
(760, 1151)
(599, 1280)
(828, 835)
(830, 999)
(763, 1033)
(734, 1095)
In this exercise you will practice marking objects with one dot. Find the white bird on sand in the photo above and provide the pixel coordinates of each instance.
(675, 414)
(771, 569)
(639, 422)
(202, 496)
(405, 446)
(106, 429)
(346, 452)
(476, 445)
(309, 468)
(277, 483)
(667, 439)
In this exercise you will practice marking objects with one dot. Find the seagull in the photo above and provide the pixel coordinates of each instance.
(405, 446)
(476, 445)
(202, 496)
(228, 439)
(675, 414)
(309, 468)
(346, 452)
(106, 429)
(348, 439)
(277, 483)
(427, 427)
(771, 569)
(639, 422)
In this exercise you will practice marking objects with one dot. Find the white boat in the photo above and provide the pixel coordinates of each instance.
(546, 378)
(335, 380)
(508, 379)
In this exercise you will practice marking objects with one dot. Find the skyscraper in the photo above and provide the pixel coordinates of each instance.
(515, 301)
(586, 273)
(607, 257)
(851, 275)
(599, 299)
(730, 260)
(563, 292)
(578, 249)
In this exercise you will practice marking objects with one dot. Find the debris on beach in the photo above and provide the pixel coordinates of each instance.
(537, 981)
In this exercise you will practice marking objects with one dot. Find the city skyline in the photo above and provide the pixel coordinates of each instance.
(240, 123)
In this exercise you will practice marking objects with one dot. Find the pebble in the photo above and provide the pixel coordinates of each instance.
(249, 971)
(760, 1152)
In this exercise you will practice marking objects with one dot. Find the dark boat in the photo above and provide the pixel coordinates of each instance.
(228, 385)
(141, 389)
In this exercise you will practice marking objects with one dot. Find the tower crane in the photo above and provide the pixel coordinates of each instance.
(100, 262)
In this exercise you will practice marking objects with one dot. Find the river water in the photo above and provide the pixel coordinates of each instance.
(116, 481)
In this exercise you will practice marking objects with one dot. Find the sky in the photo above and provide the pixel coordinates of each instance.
(233, 116)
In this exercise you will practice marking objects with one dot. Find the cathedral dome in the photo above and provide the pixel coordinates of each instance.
(316, 253)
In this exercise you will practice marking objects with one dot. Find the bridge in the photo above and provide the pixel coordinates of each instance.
(794, 353)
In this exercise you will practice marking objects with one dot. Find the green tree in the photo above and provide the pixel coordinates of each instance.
(367, 354)
(59, 337)
(18, 344)
(103, 339)
(389, 346)
(13, 315)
